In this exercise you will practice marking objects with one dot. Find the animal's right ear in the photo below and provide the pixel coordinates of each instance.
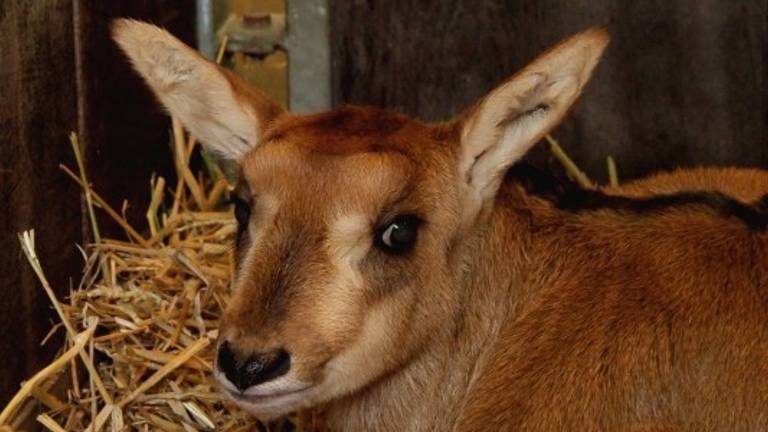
(500, 129)
(225, 113)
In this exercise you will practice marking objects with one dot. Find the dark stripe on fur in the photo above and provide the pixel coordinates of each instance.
(570, 197)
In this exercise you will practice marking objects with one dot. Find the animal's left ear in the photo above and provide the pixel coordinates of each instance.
(222, 110)
(500, 129)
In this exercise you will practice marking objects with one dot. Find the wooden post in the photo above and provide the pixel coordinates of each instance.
(60, 73)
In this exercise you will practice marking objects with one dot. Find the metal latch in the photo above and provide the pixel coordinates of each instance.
(303, 32)
(260, 34)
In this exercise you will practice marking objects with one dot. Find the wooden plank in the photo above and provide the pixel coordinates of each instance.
(37, 112)
(682, 84)
(61, 72)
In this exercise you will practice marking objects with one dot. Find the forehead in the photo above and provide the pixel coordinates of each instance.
(353, 158)
(350, 130)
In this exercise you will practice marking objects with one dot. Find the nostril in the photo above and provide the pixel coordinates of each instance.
(266, 367)
(227, 362)
(277, 365)
(249, 370)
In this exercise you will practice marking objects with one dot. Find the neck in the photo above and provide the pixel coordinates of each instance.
(428, 393)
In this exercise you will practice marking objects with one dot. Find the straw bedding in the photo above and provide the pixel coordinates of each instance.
(142, 322)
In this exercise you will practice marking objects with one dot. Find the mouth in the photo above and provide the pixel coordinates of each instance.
(271, 398)
(273, 405)
(266, 397)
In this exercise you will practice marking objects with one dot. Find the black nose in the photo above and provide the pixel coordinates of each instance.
(249, 369)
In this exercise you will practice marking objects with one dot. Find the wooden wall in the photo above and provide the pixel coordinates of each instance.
(38, 108)
(682, 84)
(59, 73)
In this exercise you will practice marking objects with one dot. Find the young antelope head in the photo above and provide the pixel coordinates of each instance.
(353, 223)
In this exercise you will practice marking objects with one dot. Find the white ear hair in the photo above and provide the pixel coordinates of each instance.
(502, 127)
(207, 100)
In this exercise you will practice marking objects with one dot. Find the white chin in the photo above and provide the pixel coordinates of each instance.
(270, 407)
(271, 399)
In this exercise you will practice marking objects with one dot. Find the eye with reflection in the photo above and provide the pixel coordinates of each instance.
(398, 236)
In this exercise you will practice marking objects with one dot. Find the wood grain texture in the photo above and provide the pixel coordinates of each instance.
(682, 84)
(61, 72)
(38, 109)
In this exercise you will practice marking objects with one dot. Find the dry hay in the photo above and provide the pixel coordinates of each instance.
(142, 323)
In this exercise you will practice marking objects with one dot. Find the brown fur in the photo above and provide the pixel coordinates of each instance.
(620, 320)
(747, 185)
(511, 312)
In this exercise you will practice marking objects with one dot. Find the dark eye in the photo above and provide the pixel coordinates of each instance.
(242, 212)
(399, 236)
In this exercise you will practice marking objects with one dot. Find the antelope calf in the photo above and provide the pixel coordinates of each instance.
(398, 275)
